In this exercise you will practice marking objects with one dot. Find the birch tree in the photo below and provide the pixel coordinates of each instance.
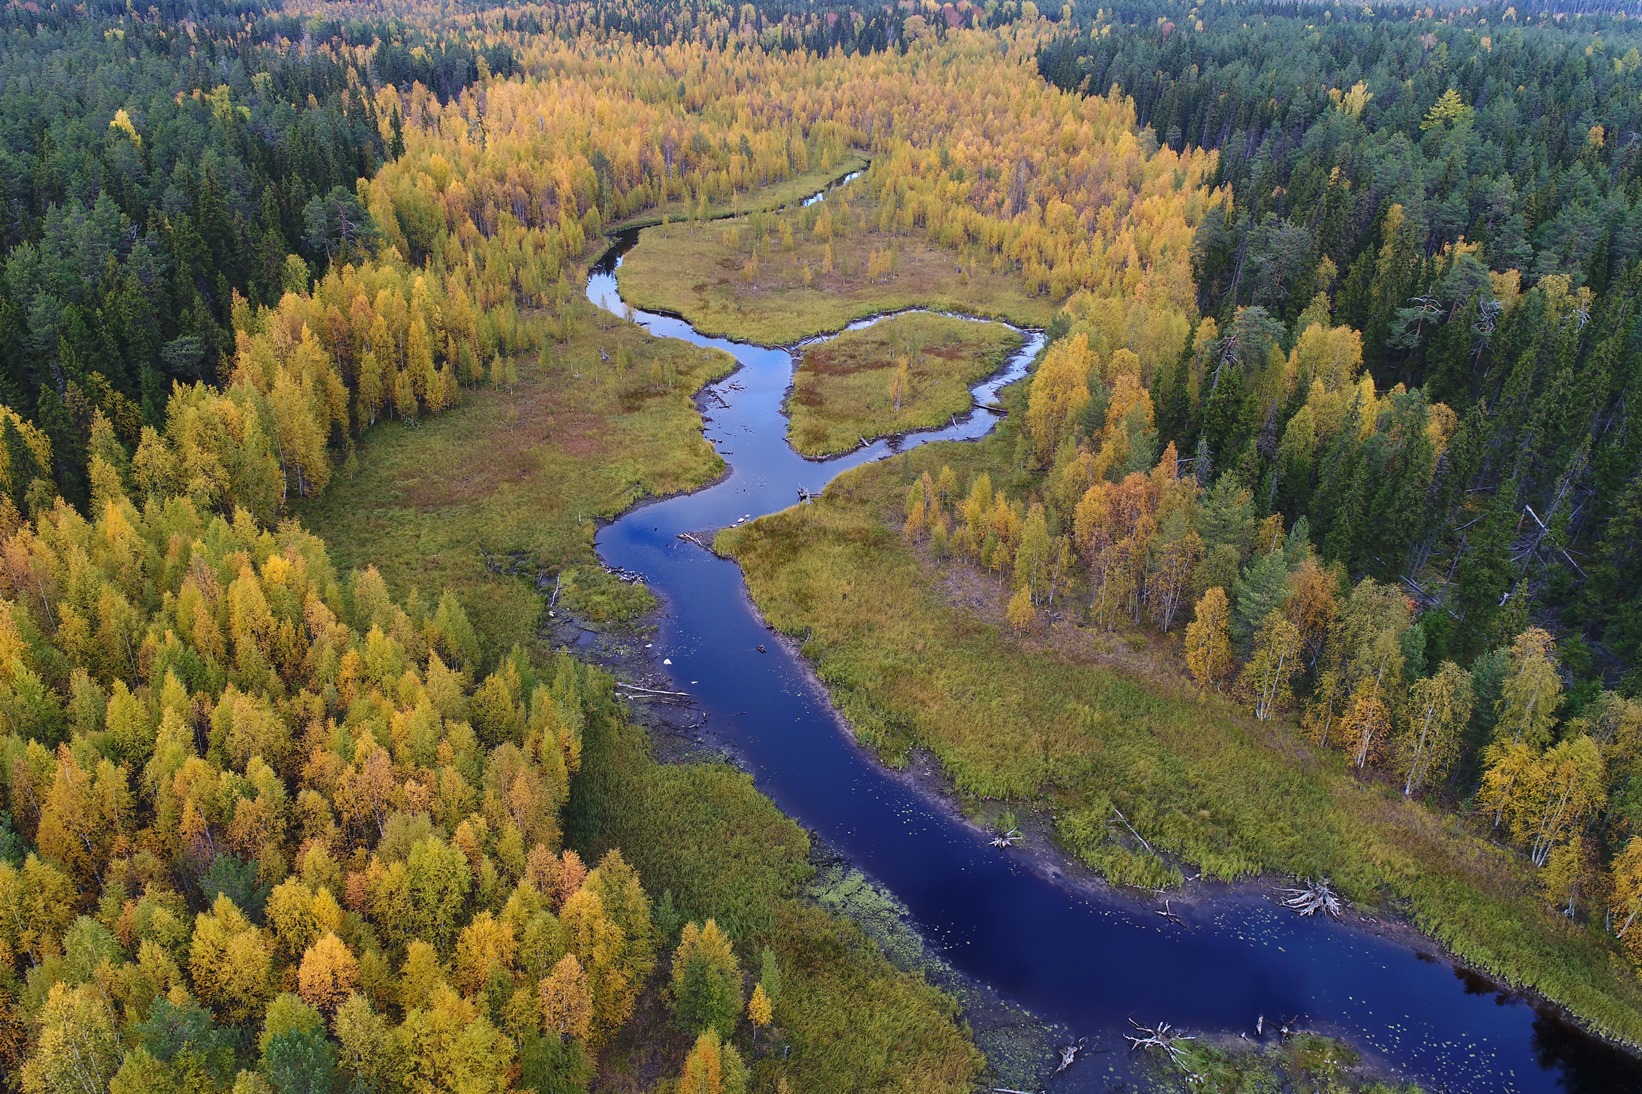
(1439, 707)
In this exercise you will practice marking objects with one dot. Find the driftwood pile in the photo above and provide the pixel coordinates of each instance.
(1068, 1054)
(1311, 897)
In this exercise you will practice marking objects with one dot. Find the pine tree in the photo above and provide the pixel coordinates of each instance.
(706, 980)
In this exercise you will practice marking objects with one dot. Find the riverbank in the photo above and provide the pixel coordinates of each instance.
(1241, 960)
(1081, 727)
(777, 195)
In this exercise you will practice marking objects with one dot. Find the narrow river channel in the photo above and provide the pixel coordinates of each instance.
(1078, 955)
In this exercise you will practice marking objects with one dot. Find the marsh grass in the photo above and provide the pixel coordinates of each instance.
(842, 387)
(701, 273)
(1305, 1061)
(916, 654)
(512, 482)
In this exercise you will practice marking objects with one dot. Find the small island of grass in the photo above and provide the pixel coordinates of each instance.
(912, 371)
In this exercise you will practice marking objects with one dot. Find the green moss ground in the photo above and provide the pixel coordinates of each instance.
(512, 481)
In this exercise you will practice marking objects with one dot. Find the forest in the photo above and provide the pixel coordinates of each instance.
(1329, 479)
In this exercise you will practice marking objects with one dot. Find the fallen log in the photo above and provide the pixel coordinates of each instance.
(695, 539)
(654, 691)
(1131, 829)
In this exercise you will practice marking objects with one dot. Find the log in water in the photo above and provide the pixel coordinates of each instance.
(1086, 957)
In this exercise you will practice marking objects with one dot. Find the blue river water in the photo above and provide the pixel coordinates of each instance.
(1075, 954)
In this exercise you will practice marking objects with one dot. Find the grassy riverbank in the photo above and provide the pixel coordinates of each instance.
(767, 278)
(1074, 722)
(514, 479)
(844, 390)
(706, 836)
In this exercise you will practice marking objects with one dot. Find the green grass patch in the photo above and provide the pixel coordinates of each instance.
(1072, 722)
(708, 274)
(844, 389)
(512, 482)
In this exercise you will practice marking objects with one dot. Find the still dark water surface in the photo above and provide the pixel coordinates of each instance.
(1091, 960)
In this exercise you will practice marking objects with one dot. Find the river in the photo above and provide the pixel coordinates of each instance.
(1084, 956)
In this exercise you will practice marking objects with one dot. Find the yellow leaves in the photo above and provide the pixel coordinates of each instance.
(121, 123)
(1532, 690)
(1351, 103)
(1448, 111)
(300, 917)
(84, 815)
(78, 1048)
(713, 1067)
(1627, 896)
(1021, 614)
(449, 1046)
(230, 961)
(565, 1000)
(1366, 726)
(1059, 390)
(759, 1010)
(1208, 640)
(485, 944)
(1329, 356)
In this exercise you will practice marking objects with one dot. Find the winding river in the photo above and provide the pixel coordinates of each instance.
(1079, 955)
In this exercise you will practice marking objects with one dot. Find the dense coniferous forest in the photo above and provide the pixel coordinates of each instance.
(1328, 480)
(1462, 190)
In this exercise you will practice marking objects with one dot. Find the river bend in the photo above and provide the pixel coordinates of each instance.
(1083, 956)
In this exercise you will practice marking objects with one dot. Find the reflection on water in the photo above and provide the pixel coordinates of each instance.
(1084, 957)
